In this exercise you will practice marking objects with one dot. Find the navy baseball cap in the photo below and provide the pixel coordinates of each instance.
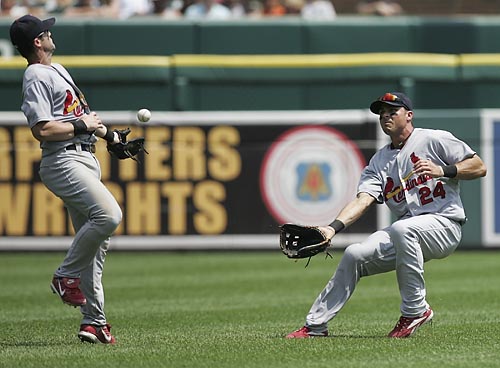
(25, 29)
(393, 99)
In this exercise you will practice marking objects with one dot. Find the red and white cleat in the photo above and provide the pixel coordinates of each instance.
(407, 326)
(96, 334)
(305, 333)
(69, 291)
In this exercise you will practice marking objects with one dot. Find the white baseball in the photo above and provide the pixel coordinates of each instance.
(143, 115)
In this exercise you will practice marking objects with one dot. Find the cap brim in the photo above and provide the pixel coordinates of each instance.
(375, 106)
(48, 23)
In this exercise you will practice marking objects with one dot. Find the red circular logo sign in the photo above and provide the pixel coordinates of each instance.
(309, 174)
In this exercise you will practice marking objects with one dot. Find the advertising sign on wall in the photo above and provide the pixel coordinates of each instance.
(211, 180)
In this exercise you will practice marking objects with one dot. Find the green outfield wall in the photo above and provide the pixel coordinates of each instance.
(346, 34)
(271, 82)
(448, 62)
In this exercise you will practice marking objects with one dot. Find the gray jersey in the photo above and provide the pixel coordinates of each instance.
(48, 96)
(389, 176)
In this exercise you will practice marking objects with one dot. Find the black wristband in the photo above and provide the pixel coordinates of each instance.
(109, 136)
(338, 226)
(80, 127)
(450, 171)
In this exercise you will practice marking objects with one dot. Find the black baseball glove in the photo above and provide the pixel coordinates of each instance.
(124, 149)
(297, 241)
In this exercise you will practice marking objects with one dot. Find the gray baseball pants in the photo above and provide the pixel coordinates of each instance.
(404, 246)
(74, 176)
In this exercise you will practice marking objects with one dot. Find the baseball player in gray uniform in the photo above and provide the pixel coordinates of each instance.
(61, 120)
(417, 176)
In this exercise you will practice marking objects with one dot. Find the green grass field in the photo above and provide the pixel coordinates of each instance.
(232, 310)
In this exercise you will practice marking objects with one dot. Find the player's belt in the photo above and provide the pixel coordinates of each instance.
(85, 147)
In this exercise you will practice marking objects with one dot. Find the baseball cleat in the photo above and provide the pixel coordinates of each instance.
(305, 333)
(96, 334)
(67, 288)
(407, 326)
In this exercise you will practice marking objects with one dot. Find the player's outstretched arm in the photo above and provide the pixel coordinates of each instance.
(355, 209)
(350, 213)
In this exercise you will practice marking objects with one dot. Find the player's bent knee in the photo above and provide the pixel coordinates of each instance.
(352, 253)
(108, 220)
(115, 219)
(399, 229)
(353, 259)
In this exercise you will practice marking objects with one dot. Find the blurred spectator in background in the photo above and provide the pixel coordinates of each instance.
(238, 8)
(12, 8)
(84, 8)
(131, 8)
(121, 9)
(35, 7)
(274, 8)
(207, 9)
(58, 6)
(168, 9)
(293, 7)
(255, 9)
(379, 7)
(318, 10)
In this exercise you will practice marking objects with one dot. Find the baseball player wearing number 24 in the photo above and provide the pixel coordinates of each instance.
(417, 176)
(60, 118)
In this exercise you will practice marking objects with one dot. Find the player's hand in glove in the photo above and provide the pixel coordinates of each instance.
(124, 149)
(297, 241)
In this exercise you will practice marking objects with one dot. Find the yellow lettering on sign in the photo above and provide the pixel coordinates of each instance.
(177, 195)
(129, 169)
(14, 211)
(27, 153)
(189, 153)
(143, 209)
(104, 159)
(225, 164)
(180, 182)
(212, 216)
(49, 214)
(5, 156)
(156, 163)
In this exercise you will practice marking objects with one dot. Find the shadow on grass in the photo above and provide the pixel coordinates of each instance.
(344, 336)
(337, 336)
